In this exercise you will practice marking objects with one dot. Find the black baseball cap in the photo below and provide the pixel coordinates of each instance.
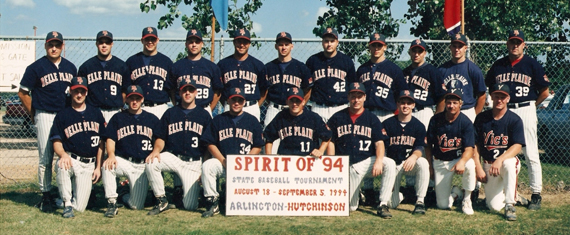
(454, 92)
(356, 87)
(104, 34)
(186, 82)
(194, 33)
(78, 82)
(418, 43)
(500, 88)
(459, 38)
(54, 35)
(284, 35)
(236, 92)
(149, 32)
(135, 90)
(406, 94)
(331, 32)
(516, 34)
(242, 33)
(295, 92)
(377, 38)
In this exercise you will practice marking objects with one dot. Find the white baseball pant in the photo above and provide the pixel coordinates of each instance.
(326, 111)
(382, 115)
(470, 113)
(424, 115)
(44, 121)
(212, 170)
(108, 113)
(363, 169)
(138, 182)
(502, 189)
(189, 173)
(444, 178)
(252, 108)
(421, 171)
(157, 110)
(530, 122)
(270, 114)
(76, 179)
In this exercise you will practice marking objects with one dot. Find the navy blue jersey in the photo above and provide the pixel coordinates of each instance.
(525, 79)
(234, 137)
(494, 137)
(425, 84)
(449, 140)
(206, 74)
(182, 132)
(356, 139)
(330, 76)
(466, 76)
(48, 84)
(79, 132)
(296, 74)
(299, 135)
(155, 79)
(106, 84)
(249, 74)
(403, 138)
(383, 82)
(133, 134)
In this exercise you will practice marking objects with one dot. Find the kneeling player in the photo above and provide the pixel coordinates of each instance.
(232, 132)
(405, 145)
(357, 133)
(75, 134)
(450, 142)
(499, 138)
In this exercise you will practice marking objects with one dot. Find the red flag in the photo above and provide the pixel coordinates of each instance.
(452, 16)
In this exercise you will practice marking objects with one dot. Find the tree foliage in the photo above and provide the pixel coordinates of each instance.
(359, 19)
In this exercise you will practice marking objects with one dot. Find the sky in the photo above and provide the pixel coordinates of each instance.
(84, 18)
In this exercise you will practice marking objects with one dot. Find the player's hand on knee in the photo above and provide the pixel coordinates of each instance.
(316, 153)
(409, 164)
(495, 169)
(481, 175)
(110, 163)
(377, 168)
(459, 168)
(96, 175)
(64, 162)
(152, 156)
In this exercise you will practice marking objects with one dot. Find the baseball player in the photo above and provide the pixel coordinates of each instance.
(405, 145)
(499, 135)
(232, 132)
(179, 134)
(528, 85)
(44, 91)
(151, 70)
(331, 70)
(283, 73)
(76, 137)
(449, 151)
(107, 77)
(129, 137)
(357, 132)
(243, 70)
(300, 131)
(462, 73)
(204, 72)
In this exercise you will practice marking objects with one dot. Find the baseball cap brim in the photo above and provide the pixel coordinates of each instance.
(420, 46)
(462, 42)
(244, 37)
(330, 34)
(185, 85)
(135, 93)
(232, 96)
(194, 36)
(377, 41)
(446, 96)
(78, 86)
(519, 38)
(357, 90)
(51, 39)
(407, 97)
(149, 35)
(295, 96)
(105, 37)
(499, 91)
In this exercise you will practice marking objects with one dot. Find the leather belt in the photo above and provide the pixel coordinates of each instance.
(328, 104)
(518, 105)
(279, 106)
(83, 159)
(134, 160)
(418, 108)
(189, 158)
(152, 104)
(250, 103)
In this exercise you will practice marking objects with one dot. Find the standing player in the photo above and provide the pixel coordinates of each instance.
(357, 132)
(107, 76)
(75, 134)
(129, 141)
(244, 70)
(331, 70)
(151, 70)
(44, 92)
(449, 150)
(205, 73)
(528, 85)
(299, 129)
(462, 73)
(405, 145)
(232, 132)
(179, 134)
(499, 138)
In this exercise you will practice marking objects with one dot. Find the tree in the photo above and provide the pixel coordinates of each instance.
(359, 19)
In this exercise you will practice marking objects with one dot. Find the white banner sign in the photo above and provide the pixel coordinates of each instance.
(15, 56)
(287, 185)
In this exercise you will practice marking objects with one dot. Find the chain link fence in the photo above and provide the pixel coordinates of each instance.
(18, 161)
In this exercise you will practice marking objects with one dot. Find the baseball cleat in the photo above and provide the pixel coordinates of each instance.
(68, 212)
(112, 210)
(177, 196)
(213, 207)
(457, 193)
(47, 204)
(535, 200)
(161, 205)
(521, 201)
(510, 213)
(420, 209)
(384, 212)
(467, 207)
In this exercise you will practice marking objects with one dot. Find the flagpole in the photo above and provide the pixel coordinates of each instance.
(462, 16)
(213, 36)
